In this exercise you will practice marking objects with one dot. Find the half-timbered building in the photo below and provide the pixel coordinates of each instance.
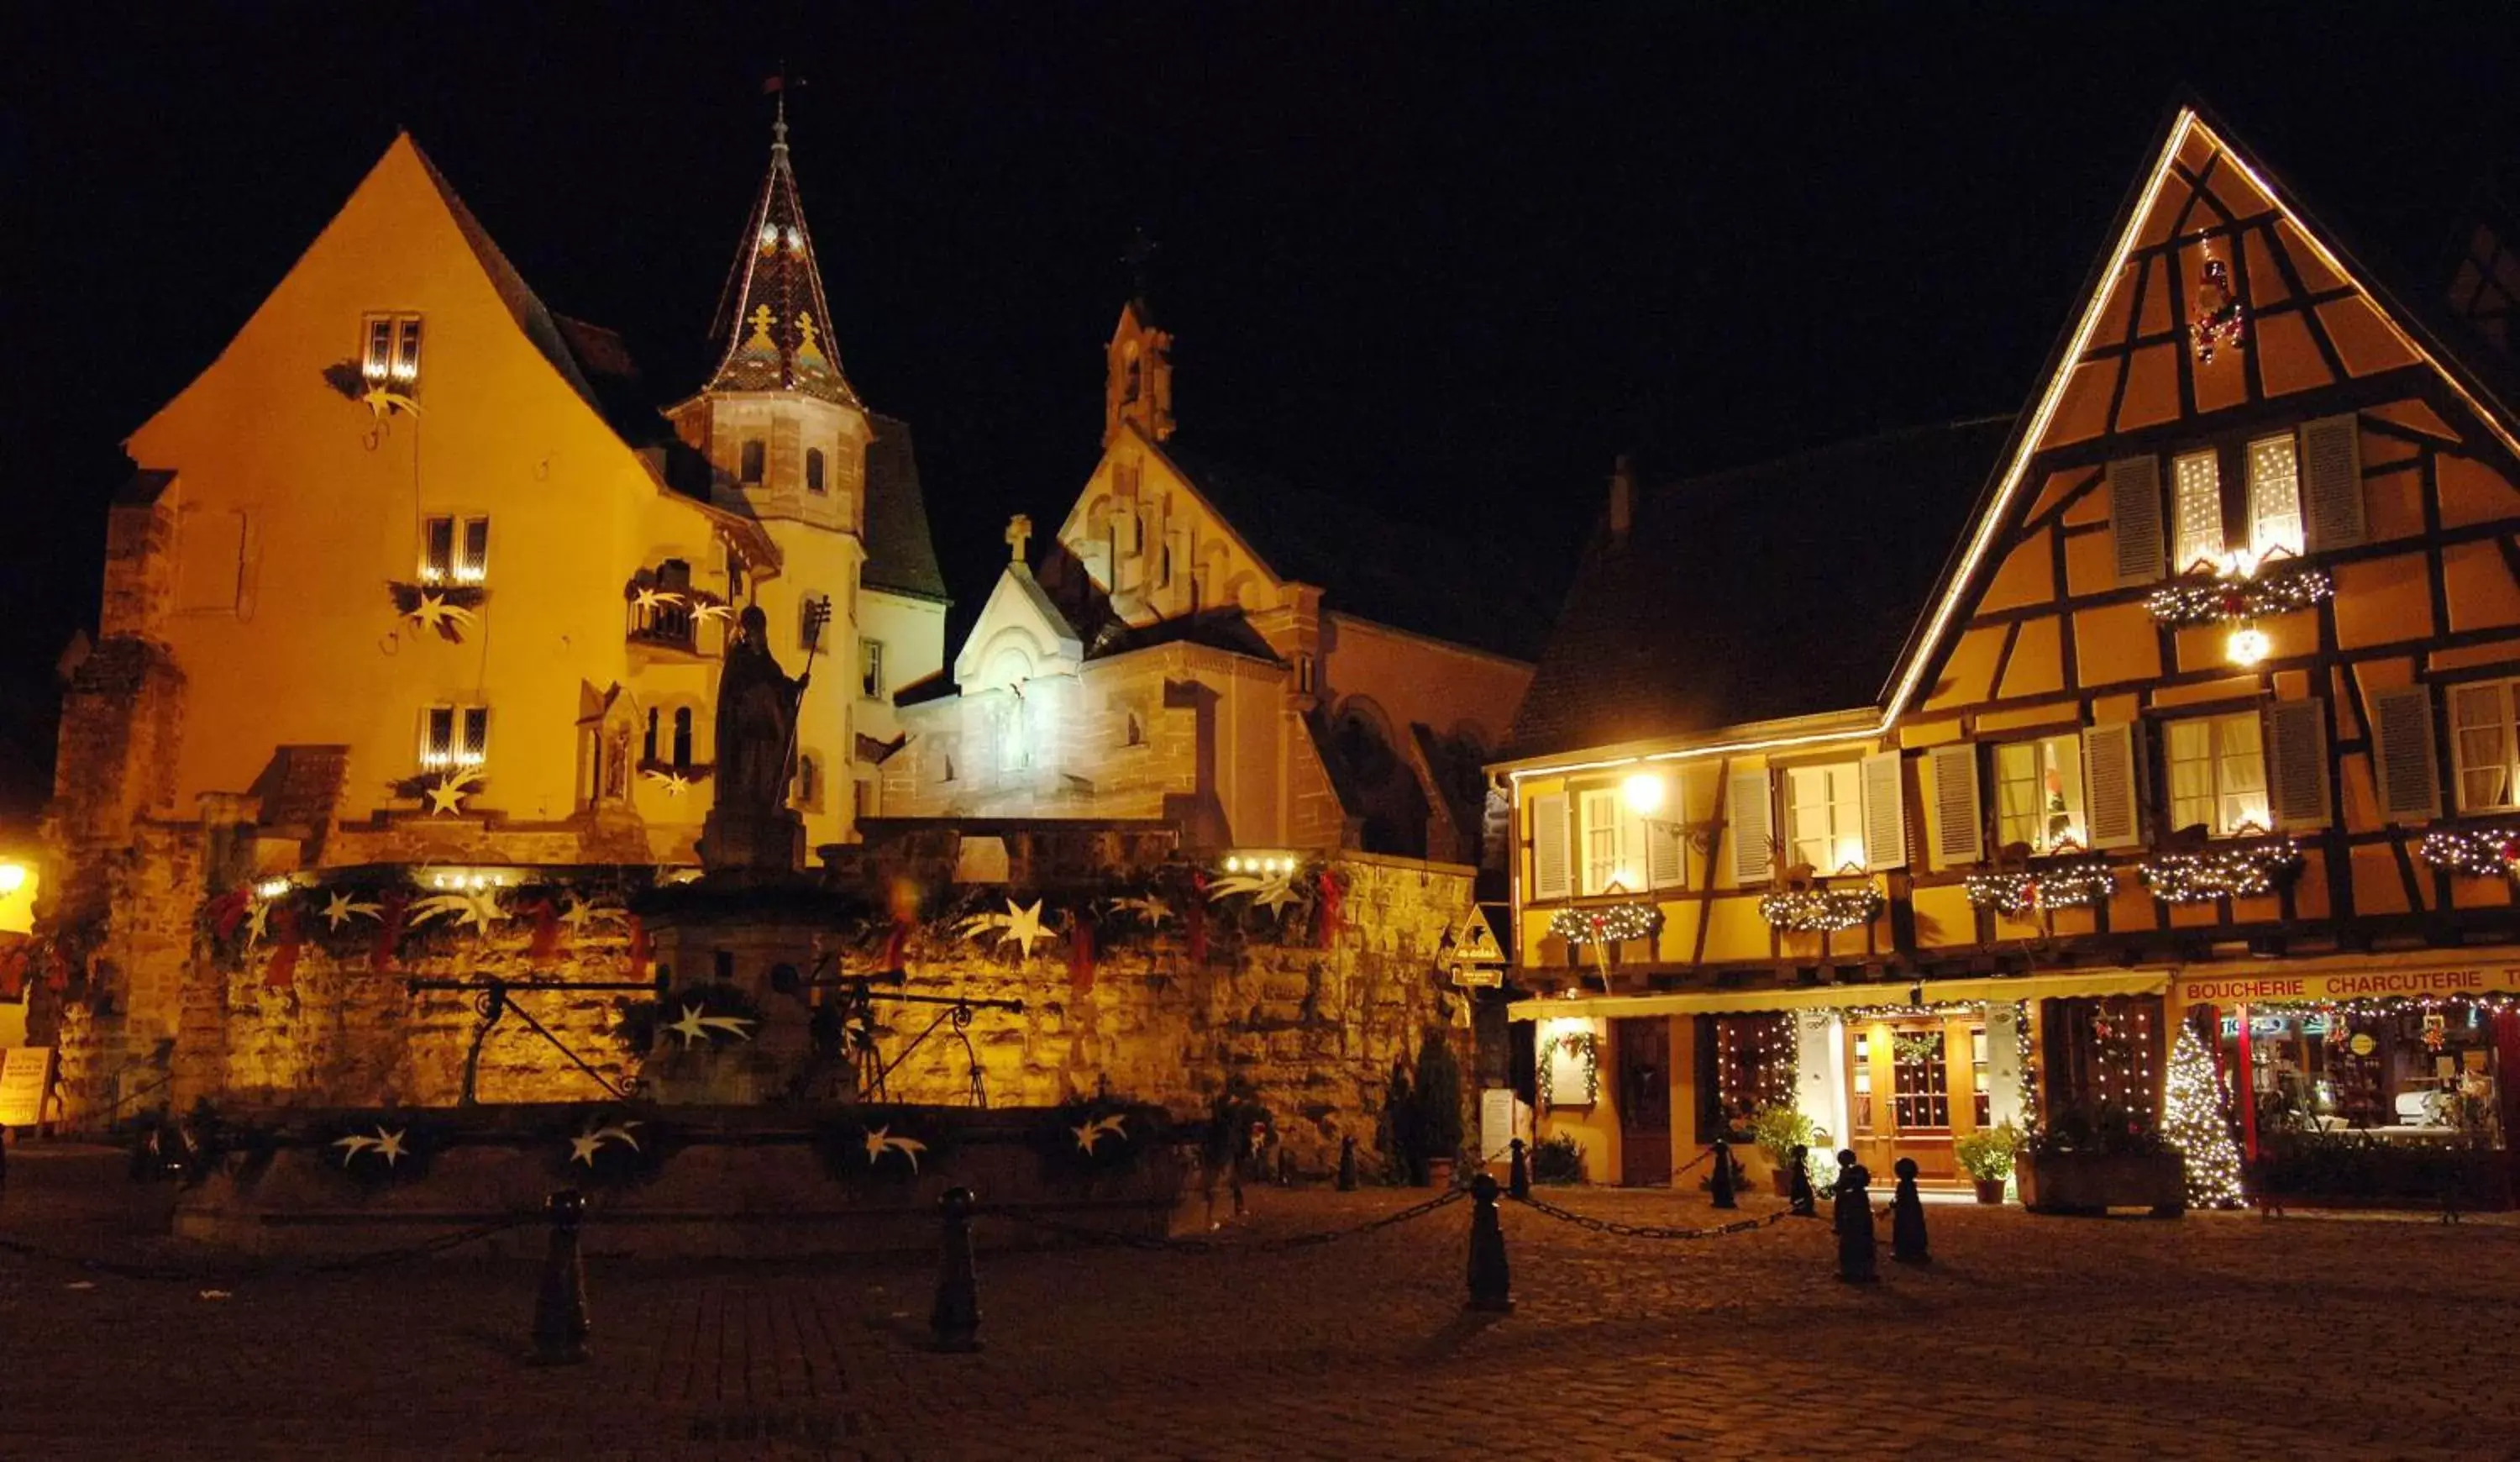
(2206, 718)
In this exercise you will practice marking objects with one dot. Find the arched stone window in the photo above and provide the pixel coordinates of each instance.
(813, 468)
(755, 461)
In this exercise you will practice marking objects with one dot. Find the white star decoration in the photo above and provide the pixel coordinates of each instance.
(652, 599)
(1017, 924)
(702, 613)
(1270, 890)
(434, 613)
(1152, 912)
(448, 792)
(257, 922)
(1096, 1130)
(581, 913)
(386, 1145)
(674, 782)
(338, 909)
(477, 907)
(381, 402)
(583, 1147)
(879, 1140)
(695, 1026)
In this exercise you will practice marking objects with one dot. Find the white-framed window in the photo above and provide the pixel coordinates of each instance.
(2218, 774)
(2275, 496)
(871, 669)
(453, 736)
(2196, 510)
(1612, 840)
(2485, 746)
(2039, 793)
(389, 357)
(455, 550)
(1824, 816)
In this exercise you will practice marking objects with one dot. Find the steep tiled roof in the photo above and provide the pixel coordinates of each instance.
(773, 318)
(537, 322)
(901, 553)
(1410, 575)
(1776, 590)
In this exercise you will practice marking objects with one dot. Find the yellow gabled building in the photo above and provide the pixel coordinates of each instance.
(2189, 700)
(415, 575)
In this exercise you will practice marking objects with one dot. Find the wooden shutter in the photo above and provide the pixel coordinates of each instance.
(1885, 813)
(2297, 763)
(1552, 871)
(1666, 866)
(2134, 518)
(1960, 835)
(2331, 482)
(1753, 824)
(2402, 755)
(2109, 783)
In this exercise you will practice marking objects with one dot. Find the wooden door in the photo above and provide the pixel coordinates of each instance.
(1912, 1089)
(1643, 1051)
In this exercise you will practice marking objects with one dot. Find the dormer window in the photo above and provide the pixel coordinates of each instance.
(455, 551)
(814, 470)
(392, 358)
(755, 461)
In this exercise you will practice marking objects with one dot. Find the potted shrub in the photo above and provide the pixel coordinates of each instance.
(1559, 1158)
(1778, 1129)
(1986, 1155)
(1438, 1127)
(2088, 1161)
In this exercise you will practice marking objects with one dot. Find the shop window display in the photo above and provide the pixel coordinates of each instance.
(2395, 1072)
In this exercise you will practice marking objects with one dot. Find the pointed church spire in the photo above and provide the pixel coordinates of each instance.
(772, 315)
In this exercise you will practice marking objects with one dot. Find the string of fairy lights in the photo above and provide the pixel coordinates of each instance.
(2236, 872)
(1755, 1062)
(2488, 852)
(2122, 1055)
(1607, 923)
(2220, 597)
(1820, 910)
(2194, 1120)
(2018, 893)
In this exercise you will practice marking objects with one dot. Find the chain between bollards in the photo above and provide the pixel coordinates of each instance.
(560, 1305)
(1491, 1281)
(956, 1317)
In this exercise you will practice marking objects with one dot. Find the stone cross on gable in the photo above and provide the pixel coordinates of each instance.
(1018, 532)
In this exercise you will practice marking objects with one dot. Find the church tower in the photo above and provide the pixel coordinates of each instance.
(788, 437)
(1138, 378)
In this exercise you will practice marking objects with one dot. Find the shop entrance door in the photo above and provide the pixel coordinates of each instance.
(1913, 1085)
(1644, 1101)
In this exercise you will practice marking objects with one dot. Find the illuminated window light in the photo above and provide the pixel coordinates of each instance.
(13, 876)
(1644, 793)
(272, 888)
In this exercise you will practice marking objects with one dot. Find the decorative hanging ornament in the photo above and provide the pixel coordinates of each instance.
(2221, 322)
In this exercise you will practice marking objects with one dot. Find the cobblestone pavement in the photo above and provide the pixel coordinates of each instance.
(2217, 1335)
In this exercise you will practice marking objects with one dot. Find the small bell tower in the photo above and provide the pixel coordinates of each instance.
(1138, 381)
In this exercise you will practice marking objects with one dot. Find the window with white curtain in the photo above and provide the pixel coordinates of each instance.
(2485, 746)
(2039, 793)
(1824, 808)
(1613, 843)
(2218, 774)
(2275, 497)
(2196, 510)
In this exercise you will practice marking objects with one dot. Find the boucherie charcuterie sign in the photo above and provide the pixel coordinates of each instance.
(2348, 984)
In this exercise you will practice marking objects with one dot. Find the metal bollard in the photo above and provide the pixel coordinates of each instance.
(1908, 1217)
(956, 1318)
(1490, 1282)
(1801, 1201)
(1518, 1177)
(1723, 1175)
(1347, 1164)
(560, 1305)
(1856, 1259)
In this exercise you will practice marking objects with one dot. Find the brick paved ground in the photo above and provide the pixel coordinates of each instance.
(2218, 1336)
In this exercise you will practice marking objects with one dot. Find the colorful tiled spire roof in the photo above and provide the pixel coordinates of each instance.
(772, 315)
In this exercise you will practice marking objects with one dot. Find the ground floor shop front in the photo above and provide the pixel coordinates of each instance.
(2374, 1078)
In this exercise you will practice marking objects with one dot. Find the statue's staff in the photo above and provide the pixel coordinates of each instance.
(818, 612)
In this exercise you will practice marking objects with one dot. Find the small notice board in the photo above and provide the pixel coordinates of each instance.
(26, 1073)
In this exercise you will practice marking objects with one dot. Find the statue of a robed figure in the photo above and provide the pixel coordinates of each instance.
(751, 827)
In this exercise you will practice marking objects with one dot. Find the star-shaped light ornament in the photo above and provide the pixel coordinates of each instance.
(1017, 924)
(257, 922)
(477, 907)
(702, 613)
(1270, 890)
(353, 1145)
(1093, 1132)
(583, 913)
(674, 782)
(341, 908)
(879, 1140)
(1152, 912)
(381, 403)
(649, 601)
(432, 612)
(448, 792)
(583, 1147)
(694, 1028)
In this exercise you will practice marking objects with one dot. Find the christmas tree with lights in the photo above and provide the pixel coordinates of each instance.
(2193, 1120)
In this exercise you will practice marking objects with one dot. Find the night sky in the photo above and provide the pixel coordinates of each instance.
(1450, 264)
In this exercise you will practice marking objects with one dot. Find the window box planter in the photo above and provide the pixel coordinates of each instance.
(2095, 1182)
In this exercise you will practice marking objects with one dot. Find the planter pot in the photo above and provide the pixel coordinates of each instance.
(1439, 1172)
(1783, 1182)
(1990, 1190)
(2095, 1182)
